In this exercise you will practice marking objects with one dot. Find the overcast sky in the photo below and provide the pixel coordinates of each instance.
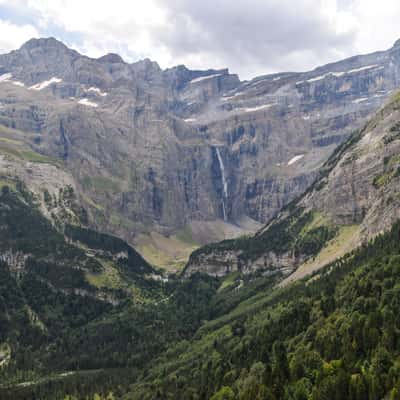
(251, 37)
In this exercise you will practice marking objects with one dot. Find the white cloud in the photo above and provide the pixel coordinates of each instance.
(119, 26)
(248, 36)
(377, 24)
(13, 36)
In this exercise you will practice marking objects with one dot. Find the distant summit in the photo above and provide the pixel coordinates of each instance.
(44, 43)
(111, 58)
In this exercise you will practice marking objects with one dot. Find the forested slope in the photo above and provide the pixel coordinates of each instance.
(335, 336)
(332, 336)
(79, 303)
(84, 316)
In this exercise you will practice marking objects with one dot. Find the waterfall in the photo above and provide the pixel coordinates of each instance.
(223, 209)
(224, 182)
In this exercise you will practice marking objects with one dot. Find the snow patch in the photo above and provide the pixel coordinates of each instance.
(320, 77)
(341, 73)
(97, 91)
(317, 78)
(364, 68)
(295, 158)
(88, 103)
(190, 119)
(45, 84)
(5, 77)
(231, 97)
(257, 108)
(203, 78)
(306, 117)
(361, 100)
(338, 74)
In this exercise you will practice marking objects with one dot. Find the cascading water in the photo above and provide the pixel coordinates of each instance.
(224, 182)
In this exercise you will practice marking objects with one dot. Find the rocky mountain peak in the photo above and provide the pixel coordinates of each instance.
(111, 58)
(397, 43)
(146, 65)
(45, 46)
(39, 59)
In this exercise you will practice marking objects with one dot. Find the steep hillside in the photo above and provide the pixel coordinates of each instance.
(356, 197)
(334, 336)
(81, 311)
(54, 286)
(84, 316)
(234, 152)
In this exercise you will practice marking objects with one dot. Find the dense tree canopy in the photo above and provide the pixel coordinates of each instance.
(335, 336)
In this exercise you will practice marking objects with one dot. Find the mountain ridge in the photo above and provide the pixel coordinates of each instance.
(127, 133)
(304, 309)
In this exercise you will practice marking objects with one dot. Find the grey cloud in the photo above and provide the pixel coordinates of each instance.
(249, 35)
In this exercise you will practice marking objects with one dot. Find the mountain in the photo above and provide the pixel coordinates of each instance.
(355, 198)
(334, 336)
(55, 283)
(304, 309)
(80, 310)
(171, 159)
(325, 331)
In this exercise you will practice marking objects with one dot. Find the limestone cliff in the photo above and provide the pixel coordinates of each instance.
(356, 196)
(176, 152)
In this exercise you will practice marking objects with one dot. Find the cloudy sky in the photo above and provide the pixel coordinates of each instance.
(251, 37)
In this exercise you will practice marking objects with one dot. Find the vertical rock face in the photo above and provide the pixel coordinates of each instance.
(224, 184)
(363, 186)
(156, 150)
(358, 191)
